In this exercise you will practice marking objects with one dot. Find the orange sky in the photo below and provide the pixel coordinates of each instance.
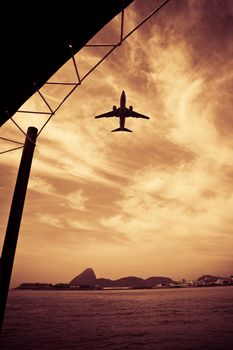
(155, 202)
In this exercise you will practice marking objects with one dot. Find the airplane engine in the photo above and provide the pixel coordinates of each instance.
(114, 108)
(130, 108)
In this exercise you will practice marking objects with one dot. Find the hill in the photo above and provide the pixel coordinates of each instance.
(88, 277)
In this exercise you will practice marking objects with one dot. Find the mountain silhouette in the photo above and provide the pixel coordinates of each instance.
(88, 277)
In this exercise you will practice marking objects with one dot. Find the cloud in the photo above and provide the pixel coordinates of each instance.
(50, 220)
(183, 204)
(41, 186)
(80, 224)
(77, 200)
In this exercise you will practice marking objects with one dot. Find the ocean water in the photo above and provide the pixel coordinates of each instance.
(187, 318)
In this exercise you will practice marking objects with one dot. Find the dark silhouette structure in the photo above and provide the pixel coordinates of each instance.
(38, 43)
(122, 112)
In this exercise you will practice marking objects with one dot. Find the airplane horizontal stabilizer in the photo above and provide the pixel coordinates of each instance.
(122, 129)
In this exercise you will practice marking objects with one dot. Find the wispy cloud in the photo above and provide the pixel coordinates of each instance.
(162, 194)
(50, 220)
(41, 186)
(77, 200)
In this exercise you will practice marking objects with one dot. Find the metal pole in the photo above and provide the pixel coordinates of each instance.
(13, 226)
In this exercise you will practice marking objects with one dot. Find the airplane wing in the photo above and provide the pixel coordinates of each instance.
(106, 115)
(138, 115)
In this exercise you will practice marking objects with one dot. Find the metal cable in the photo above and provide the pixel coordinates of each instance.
(5, 139)
(12, 149)
(22, 131)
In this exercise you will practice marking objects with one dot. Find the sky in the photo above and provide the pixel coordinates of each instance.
(154, 202)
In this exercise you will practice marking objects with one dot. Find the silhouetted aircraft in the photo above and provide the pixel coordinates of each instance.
(122, 112)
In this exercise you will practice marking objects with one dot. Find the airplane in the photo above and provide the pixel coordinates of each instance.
(122, 112)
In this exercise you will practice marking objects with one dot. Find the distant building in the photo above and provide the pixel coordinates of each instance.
(61, 286)
(35, 286)
(224, 281)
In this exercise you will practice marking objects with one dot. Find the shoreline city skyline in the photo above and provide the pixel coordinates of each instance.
(87, 280)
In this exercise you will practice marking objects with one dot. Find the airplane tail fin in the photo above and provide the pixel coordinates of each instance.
(122, 129)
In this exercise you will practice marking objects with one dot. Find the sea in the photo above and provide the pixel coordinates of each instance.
(147, 319)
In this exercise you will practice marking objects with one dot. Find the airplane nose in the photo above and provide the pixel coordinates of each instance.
(122, 99)
(123, 95)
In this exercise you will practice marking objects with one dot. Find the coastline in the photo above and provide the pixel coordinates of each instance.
(37, 287)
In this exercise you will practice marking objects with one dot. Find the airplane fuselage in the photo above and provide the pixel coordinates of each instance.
(122, 111)
(123, 100)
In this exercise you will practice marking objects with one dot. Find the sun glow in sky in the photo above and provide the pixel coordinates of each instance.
(155, 202)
